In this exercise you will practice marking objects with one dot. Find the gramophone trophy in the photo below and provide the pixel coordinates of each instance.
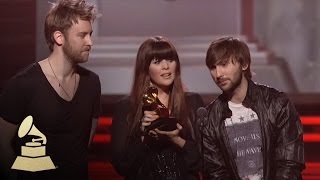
(152, 103)
(33, 155)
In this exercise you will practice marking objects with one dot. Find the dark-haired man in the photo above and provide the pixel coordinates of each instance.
(253, 131)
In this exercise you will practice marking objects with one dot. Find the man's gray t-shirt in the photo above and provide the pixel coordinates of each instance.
(243, 129)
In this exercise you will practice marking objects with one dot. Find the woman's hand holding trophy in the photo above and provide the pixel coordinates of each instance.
(156, 121)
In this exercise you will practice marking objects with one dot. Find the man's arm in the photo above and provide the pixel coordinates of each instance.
(93, 129)
(7, 155)
(290, 148)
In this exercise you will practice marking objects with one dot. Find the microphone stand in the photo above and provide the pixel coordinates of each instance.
(202, 151)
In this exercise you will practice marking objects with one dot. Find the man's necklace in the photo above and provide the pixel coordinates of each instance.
(60, 85)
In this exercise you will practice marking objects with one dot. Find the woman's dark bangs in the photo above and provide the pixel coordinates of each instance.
(163, 50)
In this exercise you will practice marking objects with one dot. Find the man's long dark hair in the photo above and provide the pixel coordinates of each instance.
(223, 49)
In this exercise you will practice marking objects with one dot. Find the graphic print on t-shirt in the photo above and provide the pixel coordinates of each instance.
(33, 155)
(244, 135)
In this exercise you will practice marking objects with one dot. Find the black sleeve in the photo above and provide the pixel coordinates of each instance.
(190, 150)
(195, 102)
(290, 148)
(126, 156)
(97, 100)
(13, 100)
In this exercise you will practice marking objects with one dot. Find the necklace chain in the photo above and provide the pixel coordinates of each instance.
(60, 85)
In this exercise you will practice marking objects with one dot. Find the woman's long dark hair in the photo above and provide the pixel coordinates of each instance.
(157, 47)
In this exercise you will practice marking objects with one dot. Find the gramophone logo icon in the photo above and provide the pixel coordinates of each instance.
(33, 155)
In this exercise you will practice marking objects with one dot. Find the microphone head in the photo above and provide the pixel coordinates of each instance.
(202, 112)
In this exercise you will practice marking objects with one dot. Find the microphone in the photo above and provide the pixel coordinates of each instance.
(202, 114)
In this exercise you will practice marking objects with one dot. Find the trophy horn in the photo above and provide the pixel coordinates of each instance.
(28, 128)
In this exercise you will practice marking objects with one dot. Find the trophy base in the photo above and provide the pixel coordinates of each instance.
(163, 124)
(33, 164)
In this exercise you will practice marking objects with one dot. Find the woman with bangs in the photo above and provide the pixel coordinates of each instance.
(158, 154)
